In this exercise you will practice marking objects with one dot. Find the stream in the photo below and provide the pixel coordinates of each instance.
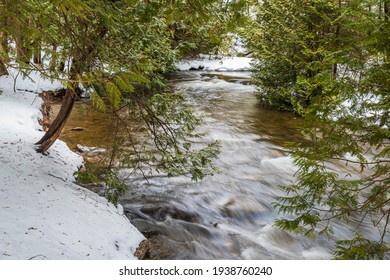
(229, 215)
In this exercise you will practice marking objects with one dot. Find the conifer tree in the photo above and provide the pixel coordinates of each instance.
(96, 38)
(293, 42)
(119, 51)
(329, 62)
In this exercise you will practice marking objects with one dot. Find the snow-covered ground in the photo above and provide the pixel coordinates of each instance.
(43, 214)
(224, 64)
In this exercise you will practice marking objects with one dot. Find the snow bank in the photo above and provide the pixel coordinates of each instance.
(222, 65)
(43, 214)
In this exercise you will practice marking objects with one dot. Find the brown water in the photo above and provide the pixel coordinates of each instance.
(229, 215)
(86, 126)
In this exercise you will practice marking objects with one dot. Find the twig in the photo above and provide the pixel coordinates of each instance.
(15, 78)
(57, 177)
(40, 255)
(385, 227)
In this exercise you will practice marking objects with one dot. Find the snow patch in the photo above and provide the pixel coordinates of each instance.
(225, 64)
(44, 214)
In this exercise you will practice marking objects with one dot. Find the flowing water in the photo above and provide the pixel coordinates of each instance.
(229, 215)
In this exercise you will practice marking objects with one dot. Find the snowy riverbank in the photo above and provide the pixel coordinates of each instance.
(43, 214)
(223, 64)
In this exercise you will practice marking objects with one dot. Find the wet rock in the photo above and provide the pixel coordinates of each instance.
(90, 150)
(200, 67)
(160, 213)
(244, 210)
(143, 250)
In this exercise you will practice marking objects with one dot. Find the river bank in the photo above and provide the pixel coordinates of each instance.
(44, 214)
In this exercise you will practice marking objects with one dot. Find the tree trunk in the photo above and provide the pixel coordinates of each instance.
(66, 108)
(337, 39)
(37, 53)
(386, 8)
(21, 50)
(58, 124)
(54, 58)
(3, 51)
(78, 66)
(3, 68)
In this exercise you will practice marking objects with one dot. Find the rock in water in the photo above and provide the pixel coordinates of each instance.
(90, 150)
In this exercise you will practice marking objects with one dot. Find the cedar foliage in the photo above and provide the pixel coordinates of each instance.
(328, 61)
(119, 51)
(84, 42)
